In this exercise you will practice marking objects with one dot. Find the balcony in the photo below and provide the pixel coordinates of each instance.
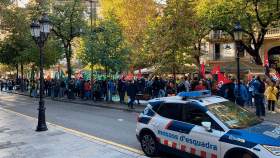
(272, 33)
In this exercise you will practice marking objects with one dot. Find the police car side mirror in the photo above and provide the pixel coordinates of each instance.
(207, 126)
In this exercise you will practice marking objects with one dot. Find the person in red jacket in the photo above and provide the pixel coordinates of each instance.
(199, 87)
(87, 89)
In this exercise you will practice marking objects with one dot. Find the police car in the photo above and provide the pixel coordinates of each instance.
(198, 124)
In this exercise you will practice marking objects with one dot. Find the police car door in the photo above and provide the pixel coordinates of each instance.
(199, 141)
(163, 125)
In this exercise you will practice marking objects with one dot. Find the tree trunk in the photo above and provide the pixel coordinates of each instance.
(107, 90)
(21, 67)
(175, 85)
(68, 58)
(17, 74)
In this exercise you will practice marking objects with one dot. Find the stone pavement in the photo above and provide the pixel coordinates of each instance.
(115, 104)
(18, 139)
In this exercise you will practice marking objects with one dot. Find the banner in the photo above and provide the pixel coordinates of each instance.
(87, 75)
(62, 74)
(249, 77)
(222, 80)
(216, 70)
(202, 71)
(266, 60)
(79, 75)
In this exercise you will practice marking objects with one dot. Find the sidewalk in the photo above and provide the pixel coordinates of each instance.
(20, 140)
(112, 105)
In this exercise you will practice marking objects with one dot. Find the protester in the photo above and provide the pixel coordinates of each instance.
(62, 88)
(161, 88)
(156, 87)
(230, 90)
(34, 89)
(149, 87)
(169, 91)
(250, 91)
(10, 85)
(199, 86)
(187, 84)
(82, 89)
(259, 95)
(87, 90)
(96, 91)
(71, 90)
(272, 97)
(243, 93)
(194, 83)
(131, 92)
(111, 89)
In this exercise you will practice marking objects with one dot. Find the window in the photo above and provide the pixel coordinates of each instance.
(156, 107)
(233, 116)
(192, 114)
(169, 110)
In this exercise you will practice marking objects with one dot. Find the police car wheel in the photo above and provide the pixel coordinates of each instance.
(242, 155)
(149, 145)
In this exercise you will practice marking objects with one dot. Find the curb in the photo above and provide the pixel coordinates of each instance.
(88, 104)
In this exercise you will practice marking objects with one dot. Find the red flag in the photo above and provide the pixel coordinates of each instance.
(216, 70)
(222, 80)
(128, 77)
(249, 77)
(139, 73)
(277, 75)
(202, 70)
(266, 60)
(48, 77)
(79, 75)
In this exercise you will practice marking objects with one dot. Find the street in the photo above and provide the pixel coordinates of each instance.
(109, 124)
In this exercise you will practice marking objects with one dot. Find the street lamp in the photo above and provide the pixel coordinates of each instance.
(237, 33)
(40, 35)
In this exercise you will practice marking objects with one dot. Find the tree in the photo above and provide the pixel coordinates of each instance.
(107, 46)
(168, 43)
(67, 18)
(132, 16)
(255, 16)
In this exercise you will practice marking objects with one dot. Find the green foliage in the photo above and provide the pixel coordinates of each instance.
(167, 42)
(67, 17)
(255, 16)
(106, 46)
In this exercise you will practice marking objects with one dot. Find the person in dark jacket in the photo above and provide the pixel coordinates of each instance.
(194, 83)
(122, 90)
(131, 92)
(82, 89)
(230, 90)
(156, 87)
(71, 90)
(62, 88)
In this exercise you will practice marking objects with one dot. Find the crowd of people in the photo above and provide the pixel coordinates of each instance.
(263, 92)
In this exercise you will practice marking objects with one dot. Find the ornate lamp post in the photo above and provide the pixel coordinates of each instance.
(237, 33)
(40, 35)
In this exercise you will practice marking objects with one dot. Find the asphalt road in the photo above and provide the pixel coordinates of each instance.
(113, 125)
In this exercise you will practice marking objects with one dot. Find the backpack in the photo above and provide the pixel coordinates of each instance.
(262, 88)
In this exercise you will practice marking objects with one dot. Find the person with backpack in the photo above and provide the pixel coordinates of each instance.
(96, 91)
(259, 95)
(62, 88)
(272, 92)
(243, 93)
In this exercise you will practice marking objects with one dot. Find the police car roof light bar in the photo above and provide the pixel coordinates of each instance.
(196, 94)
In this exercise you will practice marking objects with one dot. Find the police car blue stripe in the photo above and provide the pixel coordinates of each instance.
(144, 120)
(243, 139)
(150, 113)
(180, 127)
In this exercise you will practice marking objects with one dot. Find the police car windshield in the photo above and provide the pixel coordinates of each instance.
(233, 116)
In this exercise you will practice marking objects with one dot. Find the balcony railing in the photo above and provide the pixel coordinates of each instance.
(273, 31)
(225, 57)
